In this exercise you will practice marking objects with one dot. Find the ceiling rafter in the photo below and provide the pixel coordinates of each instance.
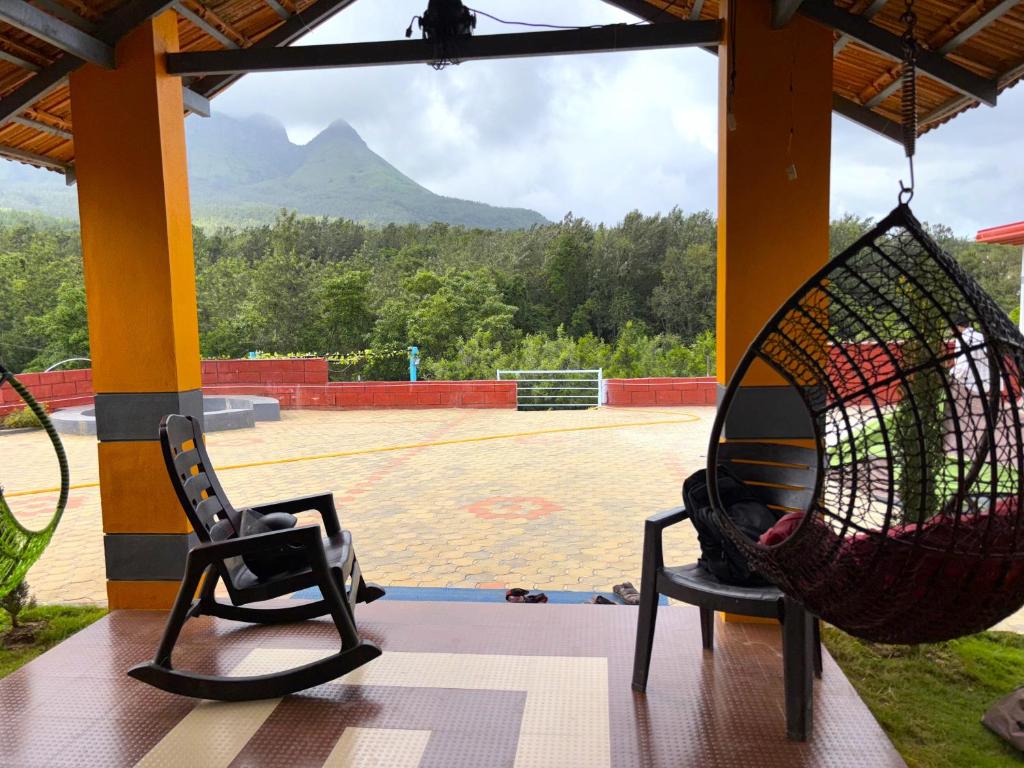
(217, 22)
(881, 125)
(277, 8)
(57, 32)
(203, 25)
(39, 125)
(868, 10)
(288, 32)
(928, 62)
(957, 103)
(63, 12)
(33, 158)
(111, 29)
(944, 40)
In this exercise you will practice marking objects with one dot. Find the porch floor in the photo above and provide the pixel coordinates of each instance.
(459, 685)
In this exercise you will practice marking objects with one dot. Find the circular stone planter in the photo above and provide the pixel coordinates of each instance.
(219, 413)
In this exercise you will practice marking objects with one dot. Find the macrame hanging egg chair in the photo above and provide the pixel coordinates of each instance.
(906, 522)
(21, 547)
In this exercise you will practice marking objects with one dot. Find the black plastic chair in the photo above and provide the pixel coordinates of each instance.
(332, 567)
(692, 584)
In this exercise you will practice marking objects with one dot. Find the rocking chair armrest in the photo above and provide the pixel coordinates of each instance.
(316, 502)
(653, 527)
(306, 537)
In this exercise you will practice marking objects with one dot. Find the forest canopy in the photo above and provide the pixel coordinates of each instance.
(637, 299)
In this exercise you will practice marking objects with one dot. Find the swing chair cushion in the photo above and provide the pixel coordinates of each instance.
(911, 378)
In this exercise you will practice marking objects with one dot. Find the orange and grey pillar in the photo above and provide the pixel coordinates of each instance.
(774, 151)
(140, 288)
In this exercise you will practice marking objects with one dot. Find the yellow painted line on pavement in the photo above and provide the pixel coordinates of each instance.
(679, 419)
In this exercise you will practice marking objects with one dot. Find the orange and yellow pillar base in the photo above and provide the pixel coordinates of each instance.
(140, 287)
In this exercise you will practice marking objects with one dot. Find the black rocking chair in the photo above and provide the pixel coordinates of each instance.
(332, 567)
(801, 640)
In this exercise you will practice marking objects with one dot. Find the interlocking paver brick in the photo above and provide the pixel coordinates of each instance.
(572, 502)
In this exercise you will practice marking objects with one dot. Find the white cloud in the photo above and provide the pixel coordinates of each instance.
(603, 134)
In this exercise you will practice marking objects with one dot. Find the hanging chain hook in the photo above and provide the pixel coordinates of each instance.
(908, 111)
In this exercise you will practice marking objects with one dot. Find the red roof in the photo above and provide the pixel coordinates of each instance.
(1007, 234)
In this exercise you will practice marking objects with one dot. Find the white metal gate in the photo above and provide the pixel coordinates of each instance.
(557, 389)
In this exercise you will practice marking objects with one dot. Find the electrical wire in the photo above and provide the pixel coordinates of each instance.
(532, 24)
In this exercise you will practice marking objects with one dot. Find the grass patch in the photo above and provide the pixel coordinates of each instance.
(930, 698)
(60, 622)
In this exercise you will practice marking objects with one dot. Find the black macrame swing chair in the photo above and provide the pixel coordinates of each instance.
(906, 521)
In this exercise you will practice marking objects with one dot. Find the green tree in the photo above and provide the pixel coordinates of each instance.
(346, 315)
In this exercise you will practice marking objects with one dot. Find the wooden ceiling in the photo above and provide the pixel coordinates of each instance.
(976, 49)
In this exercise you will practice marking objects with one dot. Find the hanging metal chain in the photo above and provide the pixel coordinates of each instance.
(908, 107)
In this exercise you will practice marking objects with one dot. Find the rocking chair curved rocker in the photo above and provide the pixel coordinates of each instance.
(329, 564)
(21, 547)
(910, 375)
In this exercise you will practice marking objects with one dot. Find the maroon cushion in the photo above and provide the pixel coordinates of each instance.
(782, 530)
(937, 548)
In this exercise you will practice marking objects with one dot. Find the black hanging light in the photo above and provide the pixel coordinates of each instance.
(445, 23)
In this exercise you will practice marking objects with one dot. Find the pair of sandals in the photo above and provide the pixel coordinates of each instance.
(519, 595)
(625, 591)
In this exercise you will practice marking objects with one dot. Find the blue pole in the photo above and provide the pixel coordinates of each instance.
(414, 361)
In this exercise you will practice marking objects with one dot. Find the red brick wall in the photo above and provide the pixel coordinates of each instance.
(296, 383)
(288, 371)
(653, 392)
(57, 389)
(382, 394)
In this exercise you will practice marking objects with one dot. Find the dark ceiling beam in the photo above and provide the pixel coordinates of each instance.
(616, 37)
(285, 34)
(203, 25)
(31, 157)
(783, 11)
(277, 8)
(886, 43)
(38, 125)
(18, 61)
(63, 12)
(869, 13)
(56, 32)
(995, 13)
(645, 10)
(655, 15)
(873, 121)
(957, 103)
(195, 103)
(110, 30)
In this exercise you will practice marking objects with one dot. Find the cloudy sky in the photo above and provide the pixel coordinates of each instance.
(601, 135)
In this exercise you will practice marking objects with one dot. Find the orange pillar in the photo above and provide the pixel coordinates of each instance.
(775, 120)
(140, 286)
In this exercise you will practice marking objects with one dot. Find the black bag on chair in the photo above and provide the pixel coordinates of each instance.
(717, 553)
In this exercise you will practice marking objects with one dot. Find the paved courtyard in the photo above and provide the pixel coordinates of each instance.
(435, 498)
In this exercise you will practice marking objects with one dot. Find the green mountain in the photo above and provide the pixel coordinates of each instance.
(243, 171)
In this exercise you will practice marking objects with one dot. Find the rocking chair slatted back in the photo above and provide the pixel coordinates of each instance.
(197, 486)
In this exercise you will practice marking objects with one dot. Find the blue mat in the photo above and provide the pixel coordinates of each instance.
(453, 595)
